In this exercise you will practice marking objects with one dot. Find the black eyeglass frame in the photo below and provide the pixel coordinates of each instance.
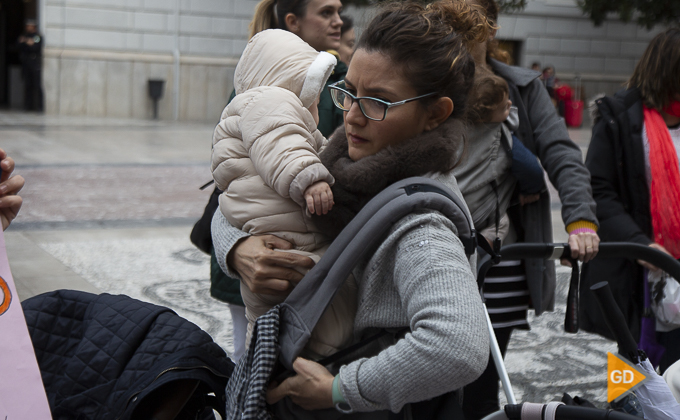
(387, 104)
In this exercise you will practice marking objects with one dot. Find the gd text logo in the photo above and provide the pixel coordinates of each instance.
(6, 296)
(622, 377)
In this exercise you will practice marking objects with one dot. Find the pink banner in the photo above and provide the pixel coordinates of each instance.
(22, 395)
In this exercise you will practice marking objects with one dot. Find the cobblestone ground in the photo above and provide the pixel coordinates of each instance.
(166, 270)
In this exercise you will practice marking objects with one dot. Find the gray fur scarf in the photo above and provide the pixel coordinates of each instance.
(357, 182)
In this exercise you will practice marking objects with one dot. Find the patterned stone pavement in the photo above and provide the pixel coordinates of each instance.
(161, 267)
(110, 204)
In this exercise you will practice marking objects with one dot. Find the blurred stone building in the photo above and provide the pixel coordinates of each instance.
(100, 54)
(555, 32)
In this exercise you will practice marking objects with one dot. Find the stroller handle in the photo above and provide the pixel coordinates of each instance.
(571, 412)
(615, 320)
(630, 250)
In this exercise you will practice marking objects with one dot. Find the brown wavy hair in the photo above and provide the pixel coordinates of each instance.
(657, 74)
(429, 42)
(489, 8)
(487, 94)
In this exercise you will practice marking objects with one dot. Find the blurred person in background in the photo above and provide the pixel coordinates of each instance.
(319, 24)
(347, 40)
(30, 55)
(548, 78)
(633, 161)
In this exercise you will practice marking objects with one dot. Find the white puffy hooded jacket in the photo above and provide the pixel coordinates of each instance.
(266, 146)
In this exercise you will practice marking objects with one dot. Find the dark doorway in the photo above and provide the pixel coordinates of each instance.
(13, 14)
(513, 48)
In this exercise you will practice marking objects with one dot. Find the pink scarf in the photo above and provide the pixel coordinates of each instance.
(665, 188)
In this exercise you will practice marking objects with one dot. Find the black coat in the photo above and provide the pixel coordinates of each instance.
(102, 356)
(31, 55)
(616, 162)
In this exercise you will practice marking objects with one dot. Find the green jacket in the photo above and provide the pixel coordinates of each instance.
(223, 287)
(330, 116)
(227, 289)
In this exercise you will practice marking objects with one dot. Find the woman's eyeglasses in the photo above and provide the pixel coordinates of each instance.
(372, 108)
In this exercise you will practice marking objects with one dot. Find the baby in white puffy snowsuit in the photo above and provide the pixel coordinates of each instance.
(266, 160)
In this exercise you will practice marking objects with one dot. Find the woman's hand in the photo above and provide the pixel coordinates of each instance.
(649, 266)
(584, 247)
(264, 270)
(311, 388)
(10, 202)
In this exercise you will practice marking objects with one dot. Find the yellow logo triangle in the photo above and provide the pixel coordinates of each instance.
(622, 377)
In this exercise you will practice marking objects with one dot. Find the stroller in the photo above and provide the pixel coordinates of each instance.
(612, 314)
(113, 357)
(282, 333)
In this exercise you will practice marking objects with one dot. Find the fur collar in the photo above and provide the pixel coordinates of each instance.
(357, 182)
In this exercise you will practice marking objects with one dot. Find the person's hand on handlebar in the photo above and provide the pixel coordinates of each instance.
(311, 388)
(584, 247)
(10, 202)
(649, 266)
(265, 270)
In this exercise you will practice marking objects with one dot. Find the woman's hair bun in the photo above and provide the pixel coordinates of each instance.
(466, 19)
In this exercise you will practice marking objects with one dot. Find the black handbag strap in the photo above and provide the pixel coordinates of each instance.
(304, 306)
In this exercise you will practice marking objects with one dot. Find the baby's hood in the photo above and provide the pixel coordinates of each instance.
(281, 59)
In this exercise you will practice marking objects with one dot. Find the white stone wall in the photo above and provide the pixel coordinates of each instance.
(111, 86)
(100, 53)
(214, 28)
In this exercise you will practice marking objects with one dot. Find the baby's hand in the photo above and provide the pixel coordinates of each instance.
(319, 198)
(528, 198)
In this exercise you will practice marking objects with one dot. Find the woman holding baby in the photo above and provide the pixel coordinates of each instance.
(418, 131)
(411, 63)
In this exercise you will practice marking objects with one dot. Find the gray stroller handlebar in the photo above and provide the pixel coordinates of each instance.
(607, 250)
(570, 412)
(555, 251)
